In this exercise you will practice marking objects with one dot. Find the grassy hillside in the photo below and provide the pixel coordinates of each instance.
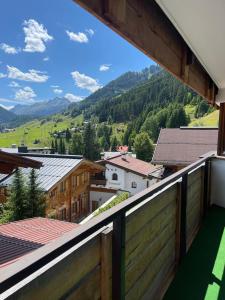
(210, 120)
(38, 130)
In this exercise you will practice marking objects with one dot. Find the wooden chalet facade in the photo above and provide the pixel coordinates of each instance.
(66, 183)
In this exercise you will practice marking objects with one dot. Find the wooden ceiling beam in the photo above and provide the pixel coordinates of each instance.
(144, 24)
(6, 168)
(19, 161)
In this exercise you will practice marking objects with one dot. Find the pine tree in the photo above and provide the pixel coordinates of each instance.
(17, 204)
(68, 135)
(91, 146)
(143, 146)
(52, 147)
(56, 146)
(62, 146)
(76, 145)
(114, 143)
(35, 196)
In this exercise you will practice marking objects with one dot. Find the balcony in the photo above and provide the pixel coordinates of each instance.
(163, 242)
(98, 179)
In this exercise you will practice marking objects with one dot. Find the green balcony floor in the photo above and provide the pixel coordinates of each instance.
(201, 275)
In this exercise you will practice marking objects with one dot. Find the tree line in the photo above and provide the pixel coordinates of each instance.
(25, 200)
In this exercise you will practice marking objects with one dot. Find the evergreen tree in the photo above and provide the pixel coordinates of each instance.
(17, 204)
(76, 145)
(143, 146)
(103, 143)
(52, 147)
(62, 147)
(151, 126)
(91, 146)
(68, 135)
(35, 196)
(114, 143)
(56, 146)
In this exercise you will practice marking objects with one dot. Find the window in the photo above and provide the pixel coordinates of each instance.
(62, 186)
(134, 185)
(74, 180)
(63, 214)
(147, 183)
(114, 176)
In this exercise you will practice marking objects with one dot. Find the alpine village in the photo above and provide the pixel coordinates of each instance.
(112, 168)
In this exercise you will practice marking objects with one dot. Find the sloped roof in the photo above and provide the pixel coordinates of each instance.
(21, 237)
(51, 172)
(182, 146)
(132, 164)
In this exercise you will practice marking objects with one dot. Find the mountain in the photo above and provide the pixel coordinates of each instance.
(126, 97)
(115, 88)
(5, 115)
(43, 108)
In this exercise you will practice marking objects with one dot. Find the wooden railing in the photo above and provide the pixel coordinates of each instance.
(131, 250)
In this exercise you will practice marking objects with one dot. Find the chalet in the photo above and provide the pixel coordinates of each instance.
(138, 249)
(22, 237)
(179, 147)
(66, 183)
(124, 172)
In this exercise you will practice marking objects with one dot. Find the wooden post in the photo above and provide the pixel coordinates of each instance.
(106, 264)
(183, 216)
(178, 220)
(205, 188)
(118, 258)
(221, 132)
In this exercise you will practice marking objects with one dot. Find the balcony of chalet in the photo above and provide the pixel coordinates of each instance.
(167, 241)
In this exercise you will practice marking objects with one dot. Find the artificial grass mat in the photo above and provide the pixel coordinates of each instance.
(201, 275)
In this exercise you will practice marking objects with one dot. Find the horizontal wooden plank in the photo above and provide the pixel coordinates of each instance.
(165, 257)
(149, 210)
(65, 275)
(151, 230)
(138, 265)
(195, 177)
(88, 289)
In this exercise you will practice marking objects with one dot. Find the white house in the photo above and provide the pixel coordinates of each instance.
(130, 174)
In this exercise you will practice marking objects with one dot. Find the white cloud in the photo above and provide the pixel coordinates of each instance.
(46, 58)
(85, 82)
(58, 91)
(90, 31)
(2, 75)
(104, 67)
(31, 75)
(73, 98)
(25, 94)
(55, 86)
(79, 37)
(14, 84)
(9, 49)
(35, 36)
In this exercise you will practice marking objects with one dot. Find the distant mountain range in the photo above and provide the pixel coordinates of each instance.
(6, 115)
(43, 108)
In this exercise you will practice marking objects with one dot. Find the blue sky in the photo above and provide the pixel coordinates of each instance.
(52, 48)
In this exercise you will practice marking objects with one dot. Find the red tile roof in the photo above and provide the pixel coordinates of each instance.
(182, 146)
(21, 237)
(132, 164)
(122, 148)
